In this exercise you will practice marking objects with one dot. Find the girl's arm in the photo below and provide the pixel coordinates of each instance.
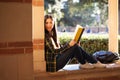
(66, 46)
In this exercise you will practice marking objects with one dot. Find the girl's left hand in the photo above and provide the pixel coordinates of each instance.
(78, 43)
(72, 43)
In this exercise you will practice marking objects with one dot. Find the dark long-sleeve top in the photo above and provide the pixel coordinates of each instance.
(51, 53)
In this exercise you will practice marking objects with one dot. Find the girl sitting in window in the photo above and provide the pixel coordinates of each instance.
(57, 56)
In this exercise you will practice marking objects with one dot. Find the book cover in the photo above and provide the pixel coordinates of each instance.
(78, 33)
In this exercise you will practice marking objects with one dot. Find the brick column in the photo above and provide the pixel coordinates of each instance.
(38, 35)
(16, 47)
(113, 25)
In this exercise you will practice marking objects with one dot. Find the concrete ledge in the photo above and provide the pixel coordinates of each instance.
(109, 73)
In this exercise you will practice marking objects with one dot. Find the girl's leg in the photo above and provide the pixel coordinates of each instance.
(88, 57)
(62, 59)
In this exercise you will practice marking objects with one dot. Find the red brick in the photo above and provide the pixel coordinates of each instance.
(20, 44)
(38, 2)
(38, 41)
(38, 47)
(28, 50)
(12, 51)
(3, 45)
(10, 0)
(24, 1)
(27, 1)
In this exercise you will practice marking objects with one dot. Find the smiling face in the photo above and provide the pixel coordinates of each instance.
(49, 24)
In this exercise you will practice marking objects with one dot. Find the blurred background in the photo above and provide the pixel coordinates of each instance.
(91, 14)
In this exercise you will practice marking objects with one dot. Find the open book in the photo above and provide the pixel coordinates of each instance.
(78, 33)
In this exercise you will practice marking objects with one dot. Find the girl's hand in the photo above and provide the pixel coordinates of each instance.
(72, 43)
(78, 43)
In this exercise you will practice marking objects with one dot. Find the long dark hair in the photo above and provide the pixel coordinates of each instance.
(53, 33)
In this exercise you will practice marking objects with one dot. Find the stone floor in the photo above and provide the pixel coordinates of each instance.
(72, 72)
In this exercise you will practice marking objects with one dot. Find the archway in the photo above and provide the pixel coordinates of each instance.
(38, 31)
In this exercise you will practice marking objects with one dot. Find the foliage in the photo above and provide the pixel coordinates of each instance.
(94, 45)
(84, 12)
(91, 43)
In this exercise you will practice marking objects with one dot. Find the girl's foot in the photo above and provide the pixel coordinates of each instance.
(86, 66)
(99, 65)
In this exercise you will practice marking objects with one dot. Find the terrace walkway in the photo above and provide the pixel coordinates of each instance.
(72, 72)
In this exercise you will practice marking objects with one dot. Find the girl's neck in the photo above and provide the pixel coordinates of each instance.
(51, 33)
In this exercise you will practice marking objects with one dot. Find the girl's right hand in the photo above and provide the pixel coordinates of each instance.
(72, 43)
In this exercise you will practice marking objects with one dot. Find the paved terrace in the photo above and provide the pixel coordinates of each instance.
(72, 72)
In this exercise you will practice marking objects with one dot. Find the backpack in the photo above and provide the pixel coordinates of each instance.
(105, 56)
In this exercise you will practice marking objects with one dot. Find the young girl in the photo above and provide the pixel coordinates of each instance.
(57, 55)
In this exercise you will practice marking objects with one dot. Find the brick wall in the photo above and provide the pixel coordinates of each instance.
(16, 46)
(38, 35)
(21, 1)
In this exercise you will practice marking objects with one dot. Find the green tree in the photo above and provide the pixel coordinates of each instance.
(83, 12)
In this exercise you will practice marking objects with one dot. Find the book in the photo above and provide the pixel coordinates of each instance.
(78, 33)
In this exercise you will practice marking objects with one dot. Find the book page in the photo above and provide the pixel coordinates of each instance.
(78, 33)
